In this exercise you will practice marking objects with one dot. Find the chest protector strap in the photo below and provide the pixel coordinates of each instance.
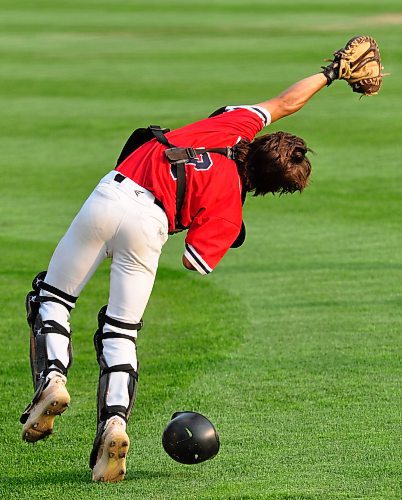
(179, 157)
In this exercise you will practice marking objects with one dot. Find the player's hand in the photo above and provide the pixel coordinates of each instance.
(187, 264)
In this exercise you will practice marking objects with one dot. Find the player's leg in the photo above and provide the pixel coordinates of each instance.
(49, 305)
(49, 365)
(136, 251)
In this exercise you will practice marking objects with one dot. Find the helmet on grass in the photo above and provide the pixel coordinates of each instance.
(190, 438)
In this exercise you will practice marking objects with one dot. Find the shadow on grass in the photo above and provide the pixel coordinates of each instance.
(144, 474)
(62, 476)
(74, 476)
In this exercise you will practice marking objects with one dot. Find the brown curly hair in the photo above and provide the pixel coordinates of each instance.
(273, 163)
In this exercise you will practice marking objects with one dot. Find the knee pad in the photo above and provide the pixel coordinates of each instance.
(115, 345)
(42, 352)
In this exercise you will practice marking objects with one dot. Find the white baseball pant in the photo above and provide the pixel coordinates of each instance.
(120, 221)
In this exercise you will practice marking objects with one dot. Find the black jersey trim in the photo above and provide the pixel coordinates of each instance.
(197, 259)
(262, 113)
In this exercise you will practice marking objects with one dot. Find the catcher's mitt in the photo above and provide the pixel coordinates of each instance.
(359, 63)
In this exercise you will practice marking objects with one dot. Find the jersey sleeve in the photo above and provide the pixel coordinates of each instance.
(207, 241)
(246, 120)
(223, 128)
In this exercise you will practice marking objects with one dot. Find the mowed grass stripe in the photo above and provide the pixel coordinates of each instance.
(292, 346)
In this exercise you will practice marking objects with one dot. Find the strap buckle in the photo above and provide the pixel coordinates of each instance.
(175, 155)
(191, 153)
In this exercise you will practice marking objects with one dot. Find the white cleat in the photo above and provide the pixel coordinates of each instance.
(111, 460)
(53, 401)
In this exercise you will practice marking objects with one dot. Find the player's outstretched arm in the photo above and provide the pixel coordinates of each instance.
(358, 63)
(295, 97)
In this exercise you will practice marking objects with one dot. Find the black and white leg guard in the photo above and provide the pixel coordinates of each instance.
(115, 344)
(50, 339)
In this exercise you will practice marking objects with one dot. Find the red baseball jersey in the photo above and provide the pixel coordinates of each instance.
(212, 208)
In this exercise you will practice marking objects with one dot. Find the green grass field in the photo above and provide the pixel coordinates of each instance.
(293, 345)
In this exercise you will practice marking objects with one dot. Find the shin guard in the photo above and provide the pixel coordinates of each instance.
(115, 345)
(43, 359)
(44, 336)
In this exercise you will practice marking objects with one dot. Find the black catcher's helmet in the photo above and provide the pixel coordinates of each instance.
(190, 438)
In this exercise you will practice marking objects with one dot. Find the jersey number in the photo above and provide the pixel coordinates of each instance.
(203, 162)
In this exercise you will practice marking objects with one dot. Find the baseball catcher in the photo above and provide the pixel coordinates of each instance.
(194, 178)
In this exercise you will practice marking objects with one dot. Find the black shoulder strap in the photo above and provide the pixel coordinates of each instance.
(159, 134)
(179, 164)
(180, 192)
(175, 153)
(178, 157)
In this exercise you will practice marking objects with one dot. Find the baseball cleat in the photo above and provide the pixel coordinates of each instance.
(38, 418)
(111, 459)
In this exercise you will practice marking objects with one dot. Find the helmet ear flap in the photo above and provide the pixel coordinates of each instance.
(190, 438)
